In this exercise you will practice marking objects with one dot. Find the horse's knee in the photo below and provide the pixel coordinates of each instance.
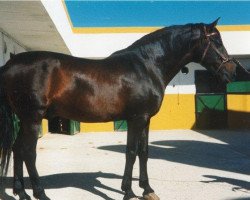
(131, 156)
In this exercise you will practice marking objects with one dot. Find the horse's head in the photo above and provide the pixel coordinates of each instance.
(211, 53)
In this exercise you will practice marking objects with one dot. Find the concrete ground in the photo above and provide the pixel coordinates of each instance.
(183, 165)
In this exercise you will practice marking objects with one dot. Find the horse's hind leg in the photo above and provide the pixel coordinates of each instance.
(30, 137)
(18, 183)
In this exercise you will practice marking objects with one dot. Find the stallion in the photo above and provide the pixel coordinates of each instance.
(127, 85)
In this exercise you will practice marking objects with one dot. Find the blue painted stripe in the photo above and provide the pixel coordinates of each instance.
(156, 13)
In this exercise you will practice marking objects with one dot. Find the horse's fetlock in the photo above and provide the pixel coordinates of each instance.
(41, 195)
(126, 184)
(143, 183)
(130, 195)
(24, 196)
(38, 192)
(147, 190)
(18, 187)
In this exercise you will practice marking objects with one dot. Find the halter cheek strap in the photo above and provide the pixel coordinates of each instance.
(205, 51)
(224, 59)
(210, 44)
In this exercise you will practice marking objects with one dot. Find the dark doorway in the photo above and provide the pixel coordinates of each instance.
(63, 126)
(210, 101)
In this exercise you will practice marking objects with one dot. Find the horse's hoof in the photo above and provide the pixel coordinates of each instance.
(41, 196)
(24, 196)
(44, 198)
(151, 196)
(133, 198)
(130, 196)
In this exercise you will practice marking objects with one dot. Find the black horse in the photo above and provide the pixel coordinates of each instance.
(127, 85)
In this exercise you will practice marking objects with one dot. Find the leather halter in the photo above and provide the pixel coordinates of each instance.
(210, 44)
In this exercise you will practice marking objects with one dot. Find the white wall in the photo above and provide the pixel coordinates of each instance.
(1, 49)
(7, 46)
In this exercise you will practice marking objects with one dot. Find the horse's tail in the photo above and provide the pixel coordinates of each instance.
(6, 129)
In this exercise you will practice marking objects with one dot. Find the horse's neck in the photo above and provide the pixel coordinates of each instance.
(161, 59)
(152, 53)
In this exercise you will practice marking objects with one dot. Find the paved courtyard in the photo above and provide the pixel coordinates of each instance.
(183, 165)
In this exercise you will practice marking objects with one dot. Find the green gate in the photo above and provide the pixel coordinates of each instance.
(211, 111)
(241, 87)
(74, 127)
(121, 125)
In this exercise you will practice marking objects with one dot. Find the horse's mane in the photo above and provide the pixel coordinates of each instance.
(151, 37)
(163, 33)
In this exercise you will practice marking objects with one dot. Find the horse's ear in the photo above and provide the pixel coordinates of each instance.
(12, 55)
(213, 24)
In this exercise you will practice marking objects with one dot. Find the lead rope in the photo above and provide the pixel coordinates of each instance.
(240, 65)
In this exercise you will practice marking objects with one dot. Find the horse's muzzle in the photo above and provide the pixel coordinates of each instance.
(228, 71)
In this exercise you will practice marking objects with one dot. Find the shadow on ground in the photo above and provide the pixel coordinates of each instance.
(85, 181)
(238, 141)
(240, 185)
(196, 153)
(231, 154)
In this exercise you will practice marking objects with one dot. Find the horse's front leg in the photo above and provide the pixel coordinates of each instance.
(131, 152)
(18, 183)
(135, 129)
(30, 137)
(148, 193)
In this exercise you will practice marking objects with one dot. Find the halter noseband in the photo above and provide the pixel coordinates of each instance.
(210, 44)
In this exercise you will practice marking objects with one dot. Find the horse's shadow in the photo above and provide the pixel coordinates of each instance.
(195, 153)
(239, 185)
(84, 181)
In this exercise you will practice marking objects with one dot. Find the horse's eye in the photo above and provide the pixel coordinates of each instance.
(217, 41)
